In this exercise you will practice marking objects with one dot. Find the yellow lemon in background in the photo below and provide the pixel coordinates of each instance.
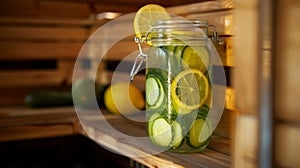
(123, 98)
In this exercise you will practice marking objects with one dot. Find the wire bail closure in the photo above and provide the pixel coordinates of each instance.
(166, 25)
(138, 60)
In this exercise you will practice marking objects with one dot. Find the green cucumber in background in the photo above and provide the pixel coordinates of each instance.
(48, 99)
(81, 94)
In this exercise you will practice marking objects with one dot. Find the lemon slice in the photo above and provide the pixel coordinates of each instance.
(189, 90)
(146, 17)
(200, 132)
(196, 58)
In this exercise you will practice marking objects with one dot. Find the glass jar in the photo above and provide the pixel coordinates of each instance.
(178, 84)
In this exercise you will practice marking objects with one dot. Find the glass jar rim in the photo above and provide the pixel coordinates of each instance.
(194, 22)
(178, 30)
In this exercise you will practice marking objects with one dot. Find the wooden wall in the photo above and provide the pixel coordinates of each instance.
(266, 83)
(287, 82)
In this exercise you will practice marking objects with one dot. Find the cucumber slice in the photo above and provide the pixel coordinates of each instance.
(161, 132)
(177, 135)
(150, 121)
(199, 133)
(154, 92)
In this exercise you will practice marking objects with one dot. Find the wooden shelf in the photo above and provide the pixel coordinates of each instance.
(26, 123)
(218, 153)
(18, 123)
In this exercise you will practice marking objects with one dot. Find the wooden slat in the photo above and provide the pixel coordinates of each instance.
(18, 8)
(21, 111)
(43, 33)
(63, 9)
(26, 21)
(20, 115)
(287, 145)
(35, 50)
(287, 59)
(41, 8)
(35, 131)
(139, 4)
(37, 120)
(15, 96)
(115, 30)
(207, 158)
(223, 20)
(18, 123)
(121, 50)
(111, 7)
(30, 78)
(246, 141)
(245, 80)
(201, 7)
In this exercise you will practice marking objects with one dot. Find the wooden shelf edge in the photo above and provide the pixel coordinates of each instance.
(142, 151)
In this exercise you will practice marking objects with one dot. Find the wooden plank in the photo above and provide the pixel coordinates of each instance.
(27, 78)
(201, 7)
(25, 123)
(41, 8)
(223, 20)
(21, 111)
(63, 9)
(6, 20)
(41, 120)
(246, 142)
(287, 91)
(36, 50)
(13, 96)
(245, 80)
(20, 116)
(35, 131)
(287, 145)
(139, 4)
(111, 7)
(43, 33)
(18, 8)
(124, 49)
(115, 30)
(207, 158)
